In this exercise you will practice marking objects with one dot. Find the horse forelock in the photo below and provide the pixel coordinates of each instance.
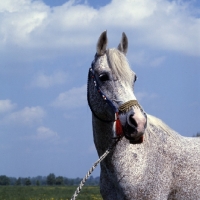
(119, 65)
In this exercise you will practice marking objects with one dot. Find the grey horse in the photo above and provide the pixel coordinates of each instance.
(151, 161)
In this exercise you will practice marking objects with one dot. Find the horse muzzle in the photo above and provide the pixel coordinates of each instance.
(134, 123)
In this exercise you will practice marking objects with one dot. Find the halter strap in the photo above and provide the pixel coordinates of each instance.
(117, 127)
(110, 103)
(91, 74)
(127, 105)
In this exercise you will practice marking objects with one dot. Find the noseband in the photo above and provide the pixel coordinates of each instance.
(121, 109)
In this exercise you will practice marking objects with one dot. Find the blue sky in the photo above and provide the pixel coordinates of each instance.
(46, 50)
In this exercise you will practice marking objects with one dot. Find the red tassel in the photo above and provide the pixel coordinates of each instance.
(118, 125)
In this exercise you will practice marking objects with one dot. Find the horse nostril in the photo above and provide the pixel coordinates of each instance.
(132, 121)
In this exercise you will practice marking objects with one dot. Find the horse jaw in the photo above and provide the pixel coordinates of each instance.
(134, 124)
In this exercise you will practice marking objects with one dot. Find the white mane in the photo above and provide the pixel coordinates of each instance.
(153, 122)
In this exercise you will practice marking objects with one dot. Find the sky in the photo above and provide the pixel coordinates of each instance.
(46, 48)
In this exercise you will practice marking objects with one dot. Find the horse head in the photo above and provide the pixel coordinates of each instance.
(111, 89)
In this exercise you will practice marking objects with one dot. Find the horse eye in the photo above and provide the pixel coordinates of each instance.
(103, 77)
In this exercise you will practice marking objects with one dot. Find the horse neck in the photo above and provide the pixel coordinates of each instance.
(102, 133)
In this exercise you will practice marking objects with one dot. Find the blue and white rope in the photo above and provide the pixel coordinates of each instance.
(79, 188)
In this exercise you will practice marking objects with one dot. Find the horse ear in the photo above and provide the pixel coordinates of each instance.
(102, 44)
(123, 45)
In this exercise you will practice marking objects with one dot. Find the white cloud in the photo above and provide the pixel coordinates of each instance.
(44, 133)
(26, 116)
(46, 81)
(161, 24)
(6, 106)
(75, 97)
(127, 13)
(19, 19)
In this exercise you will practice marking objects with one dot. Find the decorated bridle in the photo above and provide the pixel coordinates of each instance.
(117, 127)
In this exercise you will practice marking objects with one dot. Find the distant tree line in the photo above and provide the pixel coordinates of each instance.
(51, 180)
(198, 134)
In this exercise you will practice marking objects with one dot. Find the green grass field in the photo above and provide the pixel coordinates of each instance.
(48, 193)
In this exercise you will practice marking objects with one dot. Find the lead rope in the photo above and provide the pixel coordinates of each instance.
(79, 188)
